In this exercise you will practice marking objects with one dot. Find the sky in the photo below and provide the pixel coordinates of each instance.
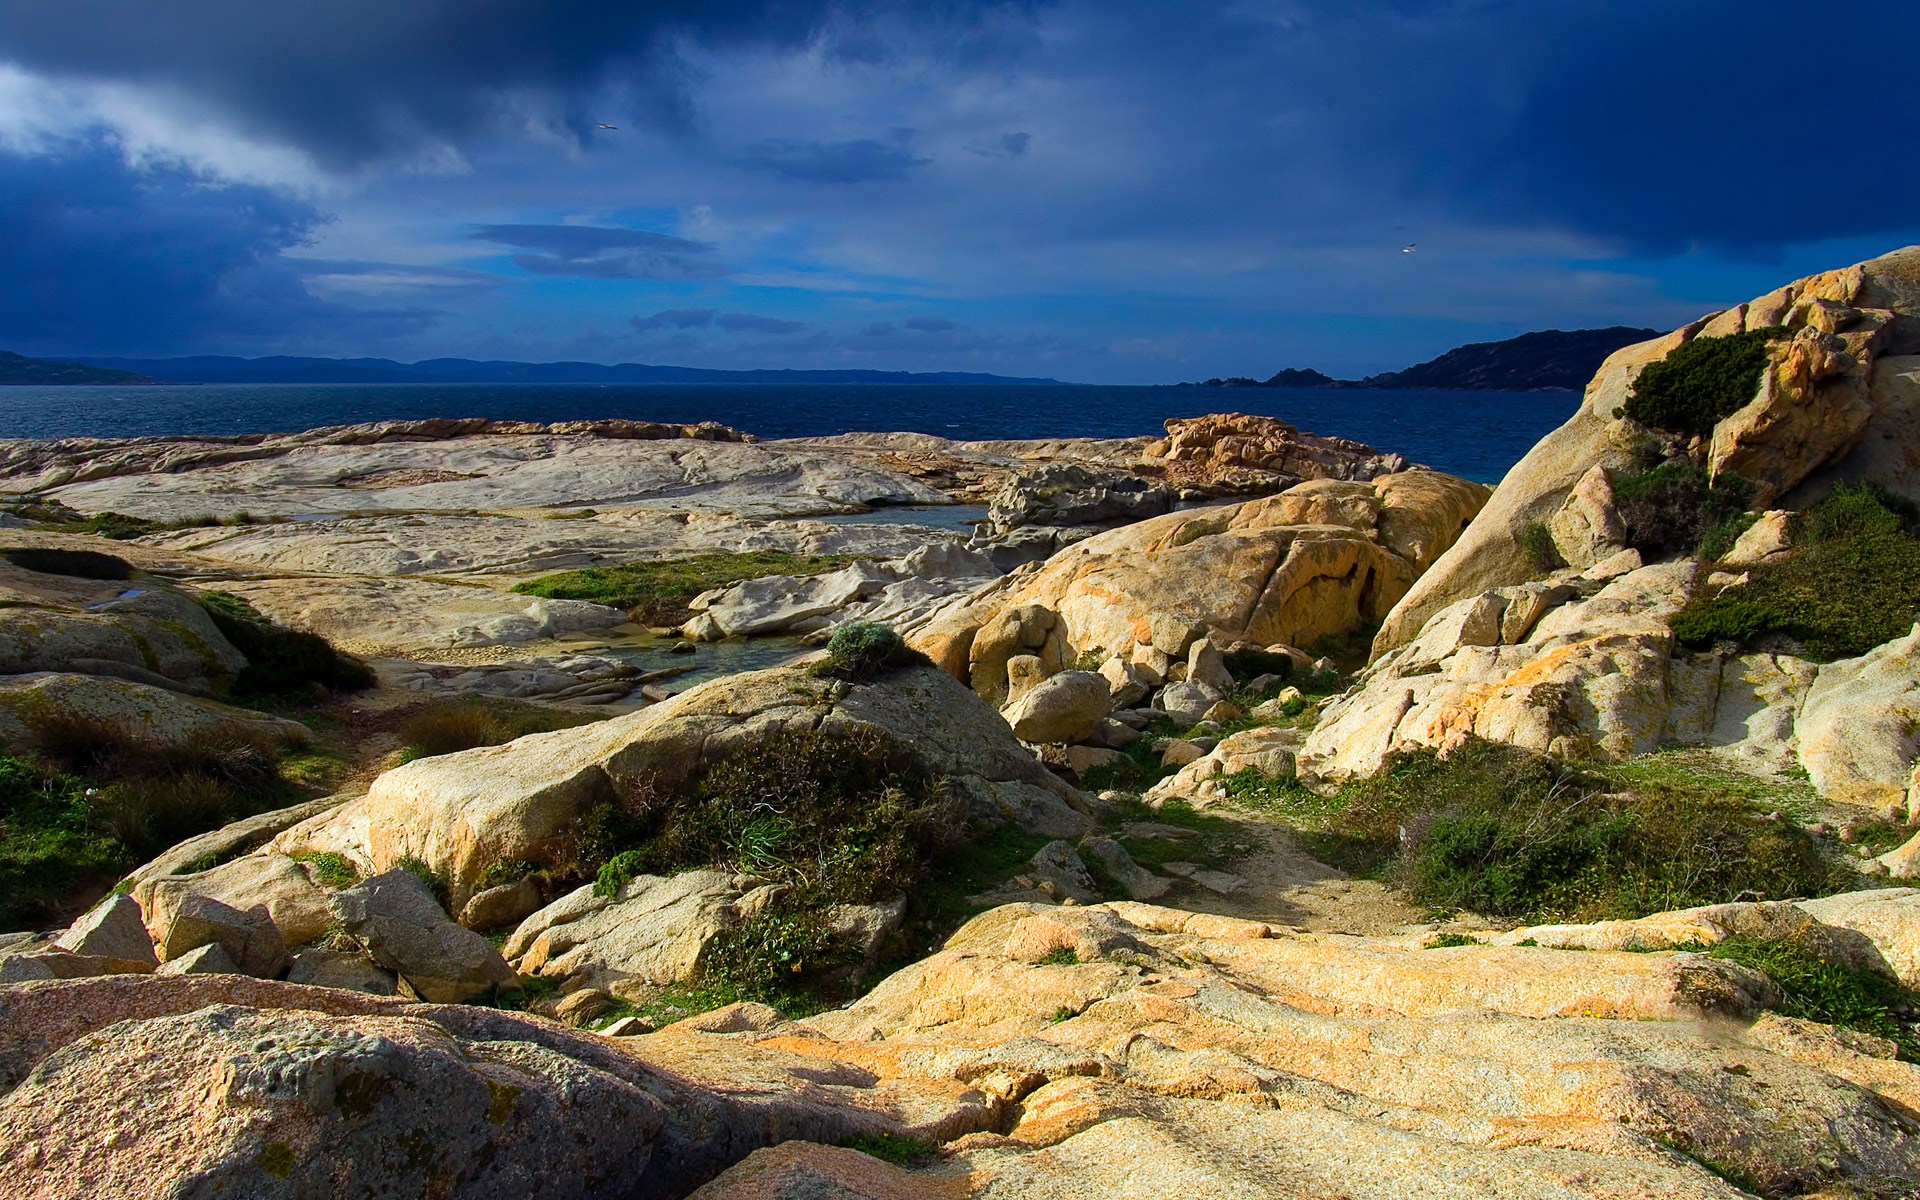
(1103, 191)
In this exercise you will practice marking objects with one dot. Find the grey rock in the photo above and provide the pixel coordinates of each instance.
(1058, 867)
(112, 928)
(1140, 883)
(1186, 703)
(251, 939)
(210, 959)
(1208, 667)
(340, 969)
(1067, 708)
(507, 904)
(406, 931)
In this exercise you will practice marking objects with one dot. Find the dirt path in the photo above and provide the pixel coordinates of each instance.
(1285, 886)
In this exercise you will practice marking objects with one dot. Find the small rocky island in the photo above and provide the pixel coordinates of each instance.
(607, 809)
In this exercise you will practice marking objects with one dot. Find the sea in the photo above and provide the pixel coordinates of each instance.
(1476, 434)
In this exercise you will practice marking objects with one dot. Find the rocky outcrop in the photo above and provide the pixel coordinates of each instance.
(893, 593)
(1837, 401)
(134, 628)
(158, 714)
(1235, 454)
(1320, 558)
(461, 813)
(1060, 503)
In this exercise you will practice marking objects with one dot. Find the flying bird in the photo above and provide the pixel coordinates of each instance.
(604, 125)
(1409, 248)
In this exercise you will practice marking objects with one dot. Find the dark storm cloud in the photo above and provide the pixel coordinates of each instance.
(858, 161)
(600, 252)
(1729, 123)
(103, 258)
(351, 80)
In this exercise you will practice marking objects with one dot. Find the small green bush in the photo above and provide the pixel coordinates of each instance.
(657, 593)
(893, 1147)
(1852, 583)
(281, 662)
(1447, 941)
(860, 651)
(329, 869)
(76, 564)
(1505, 831)
(1673, 508)
(1700, 382)
(1817, 990)
(51, 845)
(1536, 542)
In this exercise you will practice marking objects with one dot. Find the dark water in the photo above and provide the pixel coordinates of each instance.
(1476, 434)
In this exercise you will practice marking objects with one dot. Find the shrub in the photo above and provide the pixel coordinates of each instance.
(1852, 583)
(657, 593)
(451, 730)
(281, 662)
(1536, 542)
(102, 749)
(1814, 989)
(1506, 831)
(1672, 508)
(860, 651)
(148, 815)
(892, 1147)
(50, 843)
(77, 564)
(1700, 382)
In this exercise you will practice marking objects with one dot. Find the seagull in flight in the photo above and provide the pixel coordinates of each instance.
(1409, 248)
(604, 125)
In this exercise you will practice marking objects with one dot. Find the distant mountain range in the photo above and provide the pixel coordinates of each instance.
(16, 369)
(218, 369)
(1558, 360)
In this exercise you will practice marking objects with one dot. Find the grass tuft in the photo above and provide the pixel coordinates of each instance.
(657, 593)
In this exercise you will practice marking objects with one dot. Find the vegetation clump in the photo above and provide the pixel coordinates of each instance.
(1815, 989)
(51, 843)
(282, 662)
(469, 724)
(860, 651)
(1851, 583)
(1675, 507)
(1700, 382)
(657, 593)
(1536, 542)
(1513, 833)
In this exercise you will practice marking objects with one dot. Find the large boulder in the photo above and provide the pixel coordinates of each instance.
(136, 628)
(254, 1101)
(272, 883)
(1237, 454)
(161, 715)
(462, 813)
(406, 931)
(1837, 402)
(1323, 557)
(183, 921)
(112, 928)
(1888, 917)
(1857, 728)
(1066, 708)
(653, 931)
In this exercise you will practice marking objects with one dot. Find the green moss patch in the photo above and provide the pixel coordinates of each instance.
(1852, 583)
(1700, 382)
(657, 593)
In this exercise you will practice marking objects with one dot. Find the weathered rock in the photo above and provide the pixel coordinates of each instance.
(1321, 558)
(210, 959)
(1186, 703)
(182, 921)
(1837, 402)
(139, 629)
(1588, 528)
(507, 904)
(1082, 759)
(1024, 673)
(270, 883)
(166, 717)
(1268, 751)
(112, 928)
(1239, 454)
(809, 1171)
(249, 1102)
(654, 931)
(1903, 862)
(406, 931)
(1857, 727)
(340, 969)
(1888, 917)
(1141, 884)
(1065, 708)
(1074, 499)
(1766, 540)
(1208, 667)
(461, 813)
(48, 962)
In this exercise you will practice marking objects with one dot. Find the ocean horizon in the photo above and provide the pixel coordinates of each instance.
(1475, 434)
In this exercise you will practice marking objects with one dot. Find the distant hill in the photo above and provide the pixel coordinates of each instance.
(217, 369)
(16, 369)
(1553, 359)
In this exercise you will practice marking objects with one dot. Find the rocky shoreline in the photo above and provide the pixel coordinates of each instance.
(1238, 812)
